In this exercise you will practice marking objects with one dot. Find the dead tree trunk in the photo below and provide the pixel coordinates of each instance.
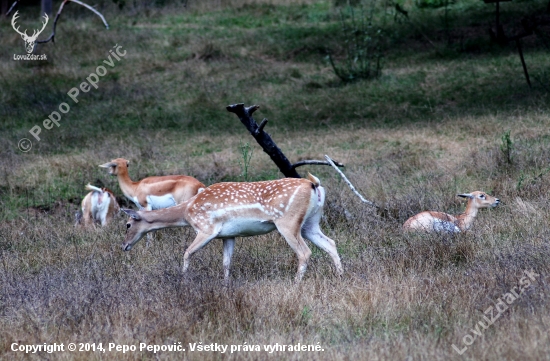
(268, 145)
(263, 139)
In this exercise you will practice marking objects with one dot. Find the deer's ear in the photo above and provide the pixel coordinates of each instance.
(133, 214)
(108, 165)
(465, 195)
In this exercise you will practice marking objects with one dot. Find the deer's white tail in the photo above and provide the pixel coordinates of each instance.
(90, 187)
(313, 179)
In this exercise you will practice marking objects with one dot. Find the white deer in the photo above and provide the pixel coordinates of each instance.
(98, 206)
(29, 40)
(442, 222)
(293, 206)
(153, 192)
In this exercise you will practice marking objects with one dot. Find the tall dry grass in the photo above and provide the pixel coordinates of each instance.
(403, 296)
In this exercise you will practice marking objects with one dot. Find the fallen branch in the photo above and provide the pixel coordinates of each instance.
(331, 162)
(52, 36)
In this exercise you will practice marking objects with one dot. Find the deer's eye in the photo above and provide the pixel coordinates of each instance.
(128, 225)
(482, 196)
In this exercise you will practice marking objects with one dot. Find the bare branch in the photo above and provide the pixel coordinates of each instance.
(52, 36)
(349, 183)
(11, 7)
(261, 127)
(314, 162)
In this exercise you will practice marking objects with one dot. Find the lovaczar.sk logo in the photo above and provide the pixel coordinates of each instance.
(29, 40)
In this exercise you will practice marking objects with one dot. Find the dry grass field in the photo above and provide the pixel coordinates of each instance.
(438, 122)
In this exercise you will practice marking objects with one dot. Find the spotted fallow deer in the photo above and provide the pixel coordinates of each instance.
(98, 206)
(442, 222)
(293, 206)
(153, 192)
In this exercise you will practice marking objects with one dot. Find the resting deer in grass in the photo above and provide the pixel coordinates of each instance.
(293, 206)
(98, 206)
(442, 222)
(153, 192)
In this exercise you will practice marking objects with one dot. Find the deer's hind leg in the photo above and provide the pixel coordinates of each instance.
(294, 239)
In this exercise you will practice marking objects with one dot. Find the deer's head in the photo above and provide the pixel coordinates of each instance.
(116, 166)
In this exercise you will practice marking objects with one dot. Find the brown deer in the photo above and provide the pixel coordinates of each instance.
(153, 192)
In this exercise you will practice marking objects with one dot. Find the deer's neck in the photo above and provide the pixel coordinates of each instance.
(466, 219)
(127, 186)
(175, 216)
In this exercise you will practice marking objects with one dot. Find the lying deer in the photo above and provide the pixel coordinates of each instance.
(153, 192)
(293, 206)
(442, 222)
(98, 206)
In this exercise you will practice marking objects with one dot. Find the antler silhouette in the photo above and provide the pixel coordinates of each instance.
(15, 17)
(46, 18)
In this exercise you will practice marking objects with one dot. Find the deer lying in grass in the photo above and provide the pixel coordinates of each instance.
(98, 206)
(442, 222)
(293, 206)
(153, 192)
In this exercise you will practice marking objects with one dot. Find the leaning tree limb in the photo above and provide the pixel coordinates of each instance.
(11, 7)
(268, 145)
(363, 199)
(52, 36)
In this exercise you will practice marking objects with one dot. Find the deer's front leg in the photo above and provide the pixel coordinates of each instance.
(200, 241)
(228, 245)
